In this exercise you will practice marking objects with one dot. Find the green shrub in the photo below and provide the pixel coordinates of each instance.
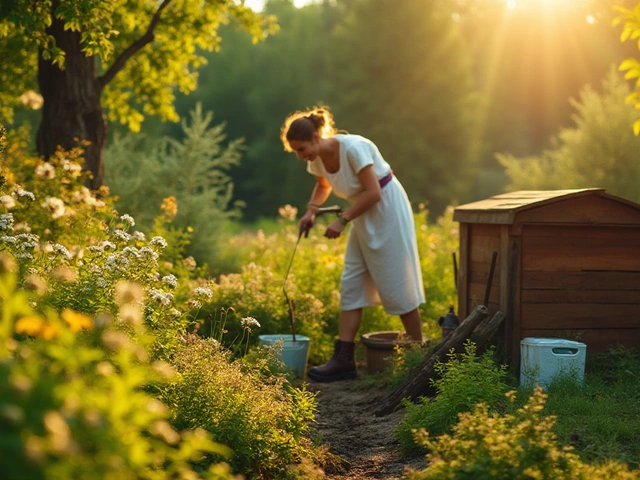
(464, 381)
(262, 418)
(488, 446)
(143, 173)
(75, 401)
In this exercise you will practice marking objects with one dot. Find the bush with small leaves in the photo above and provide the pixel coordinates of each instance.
(486, 446)
(465, 380)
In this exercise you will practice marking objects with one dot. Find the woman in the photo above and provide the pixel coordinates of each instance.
(381, 264)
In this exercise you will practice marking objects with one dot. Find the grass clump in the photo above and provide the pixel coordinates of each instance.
(464, 381)
(600, 418)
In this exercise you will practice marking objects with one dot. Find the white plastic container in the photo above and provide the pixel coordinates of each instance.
(543, 359)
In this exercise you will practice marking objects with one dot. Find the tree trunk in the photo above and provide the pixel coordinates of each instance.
(72, 111)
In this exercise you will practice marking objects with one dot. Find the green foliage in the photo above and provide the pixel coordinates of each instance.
(263, 421)
(422, 84)
(600, 151)
(486, 445)
(143, 174)
(601, 417)
(403, 363)
(255, 105)
(75, 405)
(631, 31)
(464, 381)
(180, 32)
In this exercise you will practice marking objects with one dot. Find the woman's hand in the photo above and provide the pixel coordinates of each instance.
(306, 222)
(335, 229)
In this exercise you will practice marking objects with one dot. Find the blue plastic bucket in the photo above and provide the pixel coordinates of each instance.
(294, 354)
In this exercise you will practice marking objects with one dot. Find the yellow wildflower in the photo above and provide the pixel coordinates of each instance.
(31, 325)
(76, 321)
(170, 207)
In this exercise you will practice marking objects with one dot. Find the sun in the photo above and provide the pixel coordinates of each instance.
(514, 4)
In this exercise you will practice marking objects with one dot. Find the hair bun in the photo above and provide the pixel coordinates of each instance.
(318, 119)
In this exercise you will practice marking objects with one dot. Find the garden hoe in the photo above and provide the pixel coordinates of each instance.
(321, 211)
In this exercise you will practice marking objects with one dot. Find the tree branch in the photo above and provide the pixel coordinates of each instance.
(133, 48)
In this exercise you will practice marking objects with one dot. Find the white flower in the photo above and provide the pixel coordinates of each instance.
(46, 170)
(149, 254)
(203, 293)
(159, 242)
(121, 235)
(131, 252)
(248, 322)
(71, 166)
(190, 263)
(7, 201)
(138, 236)
(107, 246)
(83, 196)
(128, 219)
(195, 303)
(6, 221)
(55, 206)
(101, 282)
(28, 241)
(288, 212)
(61, 250)
(163, 298)
(170, 280)
(24, 193)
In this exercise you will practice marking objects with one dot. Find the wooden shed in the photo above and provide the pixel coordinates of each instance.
(568, 266)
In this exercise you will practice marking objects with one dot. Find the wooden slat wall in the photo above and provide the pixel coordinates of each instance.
(483, 241)
(582, 279)
(597, 340)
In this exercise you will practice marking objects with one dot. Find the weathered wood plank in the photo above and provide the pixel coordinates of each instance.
(463, 272)
(477, 291)
(479, 272)
(589, 209)
(513, 323)
(564, 258)
(482, 247)
(581, 296)
(579, 316)
(587, 280)
(504, 267)
(570, 233)
(484, 230)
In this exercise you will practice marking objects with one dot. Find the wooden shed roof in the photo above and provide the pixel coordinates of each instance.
(502, 209)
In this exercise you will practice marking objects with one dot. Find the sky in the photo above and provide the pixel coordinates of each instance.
(258, 4)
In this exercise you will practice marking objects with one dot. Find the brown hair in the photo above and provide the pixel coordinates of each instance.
(302, 125)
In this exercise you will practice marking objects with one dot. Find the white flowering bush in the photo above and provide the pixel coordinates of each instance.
(93, 317)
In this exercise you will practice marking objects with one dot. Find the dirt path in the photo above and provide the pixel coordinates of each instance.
(345, 422)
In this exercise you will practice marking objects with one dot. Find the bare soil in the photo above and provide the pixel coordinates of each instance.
(363, 442)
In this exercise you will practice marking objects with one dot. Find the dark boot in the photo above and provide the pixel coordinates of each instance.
(342, 365)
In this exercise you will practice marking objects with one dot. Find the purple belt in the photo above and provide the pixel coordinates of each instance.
(386, 179)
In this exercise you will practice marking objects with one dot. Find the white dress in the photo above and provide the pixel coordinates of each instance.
(381, 263)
